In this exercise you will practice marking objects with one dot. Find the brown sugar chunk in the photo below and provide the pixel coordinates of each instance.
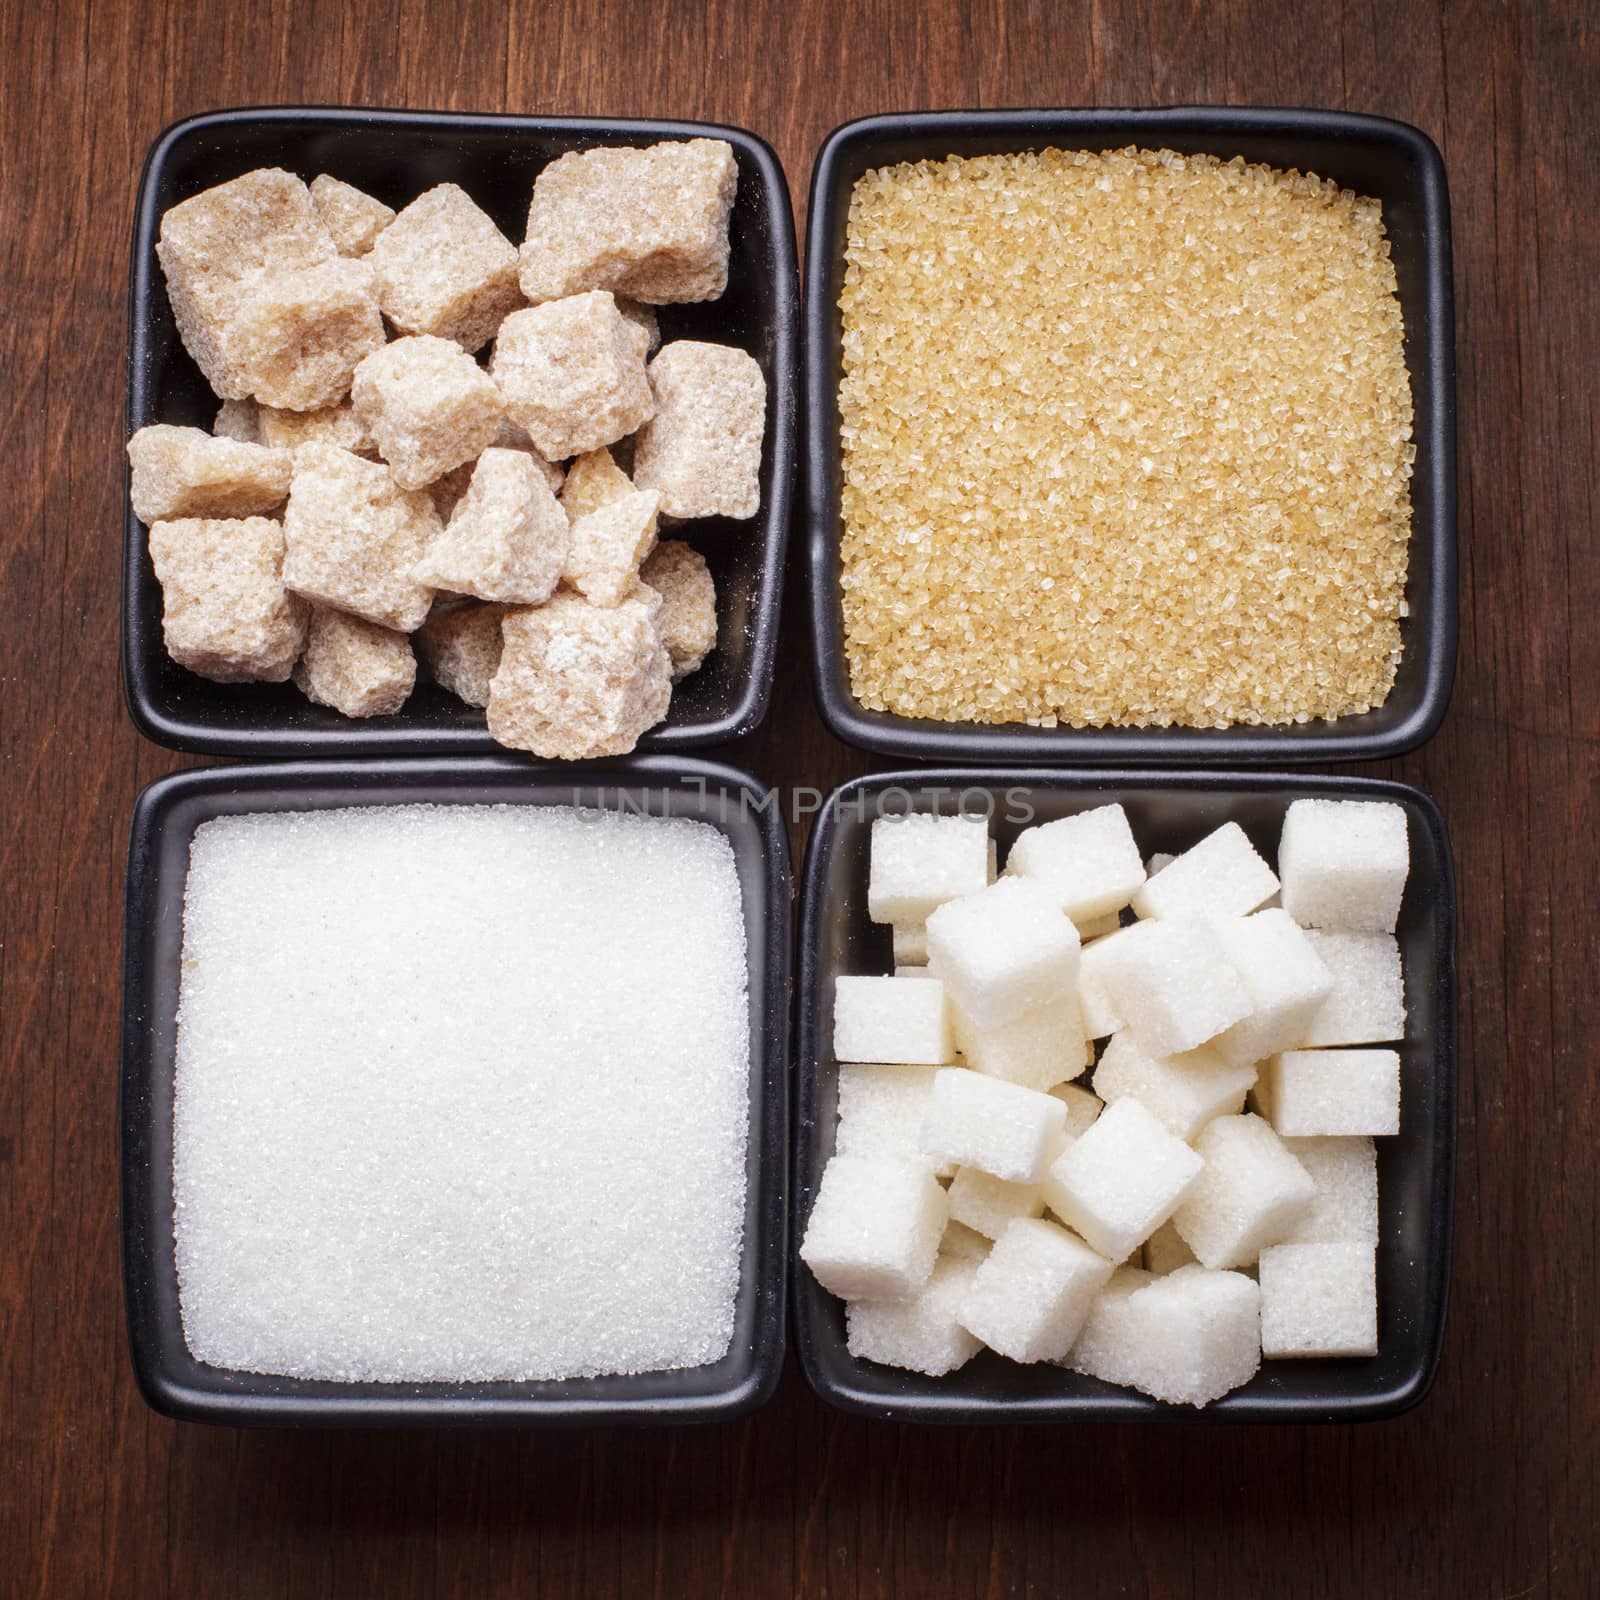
(572, 374)
(239, 419)
(356, 667)
(461, 645)
(507, 539)
(701, 451)
(446, 492)
(187, 472)
(225, 612)
(298, 337)
(353, 217)
(578, 680)
(353, 536)
(687, 620)
(608, 546)
(650, 224)
(428, 405)
(592, 481)
(644, 319)
(216, 244)
(262, 299)
(338, 424)
(445, 269)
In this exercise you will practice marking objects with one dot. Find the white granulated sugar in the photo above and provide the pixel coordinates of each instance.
(462, 1094)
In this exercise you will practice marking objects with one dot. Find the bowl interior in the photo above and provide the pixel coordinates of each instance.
(396, 156)
(1371, 155)
(164, 824)
(1415, 1168)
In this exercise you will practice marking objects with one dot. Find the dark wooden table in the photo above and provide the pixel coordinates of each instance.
(1489, 1489)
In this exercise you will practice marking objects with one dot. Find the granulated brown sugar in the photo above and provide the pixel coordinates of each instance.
(1127, 441)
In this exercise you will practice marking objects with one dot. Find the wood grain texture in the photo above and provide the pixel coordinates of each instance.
(1489, 1489)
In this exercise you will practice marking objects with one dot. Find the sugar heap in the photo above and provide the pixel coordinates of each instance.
(462, 1093)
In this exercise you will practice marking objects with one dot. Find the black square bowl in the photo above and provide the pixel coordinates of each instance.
(1416, 1168)
(395, 155)
(1372, 155)
(164, 822)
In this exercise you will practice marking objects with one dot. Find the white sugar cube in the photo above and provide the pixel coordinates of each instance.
(920, 861)
(1031, 1294)
(1368, 1001)
(1192, 1336)
(911, 944)
(1156, 862)
(1183, 1092)
(1002, 950)
(1039, 1049)
(999, 1127)
(913, 972)
(1222, 876)
(891, 1019)
(874, 1229)
(1249, 1194)
(920, 1334)
(1082, 1109)
(1089, 863)
(1097, 927)
(1105, 1347)
(1286, 980)
(1100, 1015)
(1165, 1251)
(1345, 1210)
(1319, 1300)
(1320, 1092)
(989, 1205)
(881, 1110)
(1120, 1179)
(1344, 864)
(1173, 984)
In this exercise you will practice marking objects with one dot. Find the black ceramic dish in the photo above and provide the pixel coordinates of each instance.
(164, 821)
(1372, 155)
(395, 155)
(1416, 1168)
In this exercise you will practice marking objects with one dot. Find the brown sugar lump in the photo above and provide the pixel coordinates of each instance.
(1137, 453)
(511, 437)
(507, 539)
(238, 419)
(650, 224)
(336, 424)
(353, 535)
(644, 319)
(609, 545)
(593, 480)
(187, 472)
(429, 406)
(356, 667)
(701, 451)
(297, 337)
(216, 244)
(225, 612)
(461, 646)
(687, 620)
(572, 374)
(445, 269)
(579, 680)
(353, 217)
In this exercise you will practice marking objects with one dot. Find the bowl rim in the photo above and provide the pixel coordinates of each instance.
(151, 1318)
(1435, 627)
(178, 731)
(1118, 1405)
